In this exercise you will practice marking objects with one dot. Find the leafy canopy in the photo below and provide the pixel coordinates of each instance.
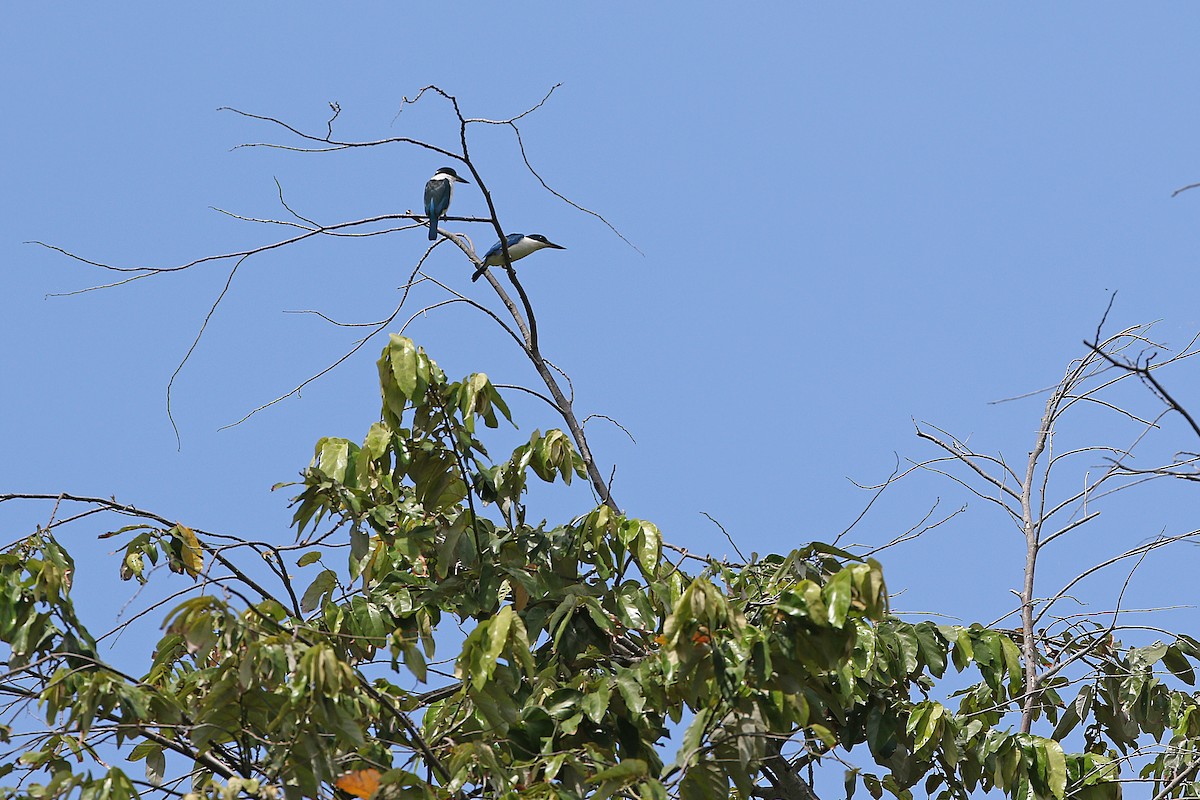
(586, 657)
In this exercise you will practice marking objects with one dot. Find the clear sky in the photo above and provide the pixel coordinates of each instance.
(851, 216)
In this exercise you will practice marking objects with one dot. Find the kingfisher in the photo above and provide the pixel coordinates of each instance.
(438, 192)
(519, 246)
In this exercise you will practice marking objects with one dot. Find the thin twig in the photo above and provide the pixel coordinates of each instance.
(736, 549)
(609, 419)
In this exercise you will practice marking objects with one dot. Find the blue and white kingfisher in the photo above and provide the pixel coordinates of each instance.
(438, 192)
(519, 246)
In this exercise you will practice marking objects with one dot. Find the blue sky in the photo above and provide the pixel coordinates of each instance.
(851, 216)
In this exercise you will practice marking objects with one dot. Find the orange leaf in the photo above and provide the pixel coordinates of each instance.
(520, 597)
(360, 783)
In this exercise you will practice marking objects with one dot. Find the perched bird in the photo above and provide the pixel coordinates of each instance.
(519, 246)
(438, 192)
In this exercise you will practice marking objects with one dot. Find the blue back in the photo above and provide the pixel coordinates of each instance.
(437, 197)
(496, 255)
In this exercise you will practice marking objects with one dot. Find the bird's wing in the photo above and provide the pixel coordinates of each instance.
(512, 238)
(437, 197)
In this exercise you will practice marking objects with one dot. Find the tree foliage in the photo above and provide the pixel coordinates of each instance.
(584, 648)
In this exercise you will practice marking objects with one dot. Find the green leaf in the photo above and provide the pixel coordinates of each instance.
(1012, 660)
(824, 734)
(932, 648)
(498, 629)
(837, 594)
(415, 662)
(803, 601)
(910, 648)
(704, 781)
(377, 440)
(562, 703)
(916, 717)
(402, 357)
(332, 458)
(1068, 720)
(1083, 702)
(963, 652)
(651, 790)
(595, 702)
(633, 607)
(308, 558)
(323, 584)
(132, 566)
(649, 549)
(1056, 768)
(1174, 660)
(1146, 657)
(156, 766)
(142, 750)
(631, 691)
(629, 769)
(360, 548)
(930, 725)
(489, 638)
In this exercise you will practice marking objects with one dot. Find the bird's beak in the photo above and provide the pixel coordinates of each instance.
(556, 246)
(461, 180)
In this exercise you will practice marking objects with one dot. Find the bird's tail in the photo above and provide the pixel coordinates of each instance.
(479, 273)
(433, 228)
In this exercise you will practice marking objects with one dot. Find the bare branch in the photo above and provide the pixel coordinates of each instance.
(878, 491)
(916, 530)
(1173, 194)
(1008, 509)
(727, 536)
(1068, 528)
(527, 390)
(192, 347)
(1157, 543)
(967, 457)
(1147, 377)
(609, 419)
(566, 200)
(520, 116)
(335, 145)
